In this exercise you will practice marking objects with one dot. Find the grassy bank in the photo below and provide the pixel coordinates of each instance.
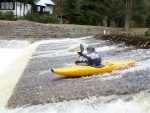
(28, 29)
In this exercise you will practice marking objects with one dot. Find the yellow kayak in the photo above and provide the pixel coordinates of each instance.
(84, 70)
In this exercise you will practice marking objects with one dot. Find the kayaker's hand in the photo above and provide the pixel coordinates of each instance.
(80, 53)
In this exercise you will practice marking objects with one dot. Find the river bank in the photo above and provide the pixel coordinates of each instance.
(26, 29)
(31, 31)
(22, 29)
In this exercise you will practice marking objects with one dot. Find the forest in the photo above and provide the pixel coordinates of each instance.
(110, 13)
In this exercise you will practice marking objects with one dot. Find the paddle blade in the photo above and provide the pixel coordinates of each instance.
(81, 48)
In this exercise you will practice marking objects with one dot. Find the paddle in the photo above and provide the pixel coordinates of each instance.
(81, 49)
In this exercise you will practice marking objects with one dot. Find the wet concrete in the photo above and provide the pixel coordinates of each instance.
(38, 85)
(138, 41)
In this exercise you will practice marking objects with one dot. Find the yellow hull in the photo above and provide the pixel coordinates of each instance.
(78, 70)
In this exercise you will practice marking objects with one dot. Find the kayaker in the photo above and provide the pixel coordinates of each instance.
(92, 57)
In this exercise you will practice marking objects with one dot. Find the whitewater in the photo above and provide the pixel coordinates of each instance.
(15, 56)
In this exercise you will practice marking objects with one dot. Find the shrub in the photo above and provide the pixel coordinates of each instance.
(2, 17)
(31, 16)
(45, 18)
(7, 15)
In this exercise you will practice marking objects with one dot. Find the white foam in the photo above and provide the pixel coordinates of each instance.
(105, 48)
(14, 62)
(139, 103)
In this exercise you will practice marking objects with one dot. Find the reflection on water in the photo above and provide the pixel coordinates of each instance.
(16, 58)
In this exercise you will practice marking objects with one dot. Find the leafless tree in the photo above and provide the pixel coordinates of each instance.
(128, 14)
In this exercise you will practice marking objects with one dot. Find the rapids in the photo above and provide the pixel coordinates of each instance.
(15, 56)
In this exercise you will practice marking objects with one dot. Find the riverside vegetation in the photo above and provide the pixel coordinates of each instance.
(109, 13)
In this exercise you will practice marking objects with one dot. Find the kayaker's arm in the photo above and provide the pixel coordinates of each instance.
(85, 56)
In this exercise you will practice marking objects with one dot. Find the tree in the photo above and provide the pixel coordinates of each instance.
(115, 12)
(59, 5)
(128, 13)
(116, 15)
(140, 12)
(70, 10)
(88, 12)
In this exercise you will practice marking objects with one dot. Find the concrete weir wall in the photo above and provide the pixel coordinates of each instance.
(27, 29)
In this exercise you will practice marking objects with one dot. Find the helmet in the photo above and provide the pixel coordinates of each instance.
(90, 48)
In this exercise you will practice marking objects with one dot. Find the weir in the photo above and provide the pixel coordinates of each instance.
(36, 84)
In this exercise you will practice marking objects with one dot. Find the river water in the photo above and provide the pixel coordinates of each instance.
(15, 55)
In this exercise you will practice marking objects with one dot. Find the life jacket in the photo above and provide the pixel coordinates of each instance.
(93, 58)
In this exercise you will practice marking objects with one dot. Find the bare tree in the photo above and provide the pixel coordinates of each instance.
(128, 14)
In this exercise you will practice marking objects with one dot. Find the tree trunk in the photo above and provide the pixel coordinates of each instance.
(109, 22)
(128, 14)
